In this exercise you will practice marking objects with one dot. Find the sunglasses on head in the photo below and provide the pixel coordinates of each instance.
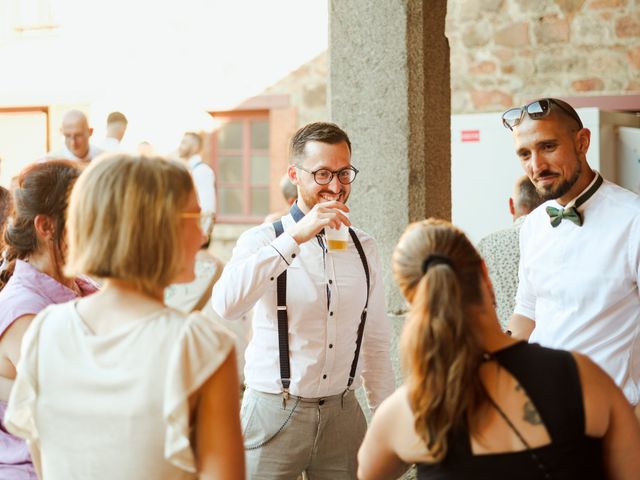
(536, 110)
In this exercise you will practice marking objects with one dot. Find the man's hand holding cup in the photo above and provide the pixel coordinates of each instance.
(327, 215)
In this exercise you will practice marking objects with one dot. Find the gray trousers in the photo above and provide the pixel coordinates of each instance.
(321, 436)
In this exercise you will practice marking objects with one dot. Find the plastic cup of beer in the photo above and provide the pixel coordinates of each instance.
(337, 238)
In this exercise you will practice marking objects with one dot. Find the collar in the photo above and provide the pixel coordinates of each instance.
(519, 221)
(296, 213)
(48, 286)
(587, 193)
(194, 161)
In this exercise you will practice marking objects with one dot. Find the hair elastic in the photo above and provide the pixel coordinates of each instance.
(435, 259)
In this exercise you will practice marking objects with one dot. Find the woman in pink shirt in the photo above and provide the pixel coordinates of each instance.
(31, 278)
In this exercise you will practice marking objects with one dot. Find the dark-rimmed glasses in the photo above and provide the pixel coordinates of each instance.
(537, 110)
(323, 176)
(206, 220)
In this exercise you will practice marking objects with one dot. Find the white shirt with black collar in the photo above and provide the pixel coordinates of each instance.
(580, 283)
(326, 293)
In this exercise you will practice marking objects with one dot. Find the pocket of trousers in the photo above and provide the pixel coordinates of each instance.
(246, 410)
(265, 419)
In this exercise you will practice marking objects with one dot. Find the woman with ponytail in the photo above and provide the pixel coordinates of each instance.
(31, 278)
(479, 404)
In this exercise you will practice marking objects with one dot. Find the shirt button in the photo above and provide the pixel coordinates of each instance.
(331, 345)
(324, 376)
(330, 282)
(331, 314)
(293, 255)
(272, 279)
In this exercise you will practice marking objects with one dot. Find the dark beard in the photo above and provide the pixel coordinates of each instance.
(562, 189)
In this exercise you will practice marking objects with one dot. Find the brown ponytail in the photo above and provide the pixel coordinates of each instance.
(42, 189)
(439, 350)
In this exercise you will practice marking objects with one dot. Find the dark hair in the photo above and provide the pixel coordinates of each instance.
(116, 117)
(42, 189)
(316, 132)
(440, 352)
(5, 211)
(5, 207)
(527, 197)
(562, 108)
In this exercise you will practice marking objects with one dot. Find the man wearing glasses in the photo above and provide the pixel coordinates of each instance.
(319, 323)
(580, 250)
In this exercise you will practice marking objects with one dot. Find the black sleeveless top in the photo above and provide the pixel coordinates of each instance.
(551, 379)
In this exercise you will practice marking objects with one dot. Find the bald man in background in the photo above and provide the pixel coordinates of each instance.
(77, 133)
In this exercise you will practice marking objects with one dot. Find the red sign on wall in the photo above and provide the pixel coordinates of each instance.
(470, 135)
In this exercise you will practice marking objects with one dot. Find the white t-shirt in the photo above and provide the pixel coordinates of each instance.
(580, 283)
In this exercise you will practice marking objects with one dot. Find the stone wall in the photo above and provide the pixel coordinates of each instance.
(504, 52)
(307, 90)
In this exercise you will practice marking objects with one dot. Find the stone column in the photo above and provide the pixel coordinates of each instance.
(389, 89)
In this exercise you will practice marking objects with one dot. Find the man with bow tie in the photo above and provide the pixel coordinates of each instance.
(580, 250)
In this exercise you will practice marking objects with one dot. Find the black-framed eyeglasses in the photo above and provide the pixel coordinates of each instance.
(537, 110)
(323, 176)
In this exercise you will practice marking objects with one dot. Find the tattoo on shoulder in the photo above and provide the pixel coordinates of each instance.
(531, 414)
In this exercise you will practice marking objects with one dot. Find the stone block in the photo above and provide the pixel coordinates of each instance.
(513, 36)
(600, 4)
(544, 84)
(633, 55)
(470, 10)
(633, 86)
(483, 68)
(628, 26)
(508, 69)
(569, 7)
(591, 30)
(490, 5)
(477, 35)
(603, 61)
(521, 67)
(533, 8)
(552, 29)
(486, 100)
(559, 62)
(587, 85)
(503, 54)
(315, 96)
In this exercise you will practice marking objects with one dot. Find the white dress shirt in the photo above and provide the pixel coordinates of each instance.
(326, 293)
(67, 154)
(580, 284)
(204, 182)
(110, 144)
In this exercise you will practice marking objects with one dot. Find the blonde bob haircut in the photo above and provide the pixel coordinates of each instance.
(124, 220)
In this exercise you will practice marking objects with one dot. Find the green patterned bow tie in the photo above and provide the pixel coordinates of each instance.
(558, 214)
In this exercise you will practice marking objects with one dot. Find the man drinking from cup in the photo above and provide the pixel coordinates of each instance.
(319, 323)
